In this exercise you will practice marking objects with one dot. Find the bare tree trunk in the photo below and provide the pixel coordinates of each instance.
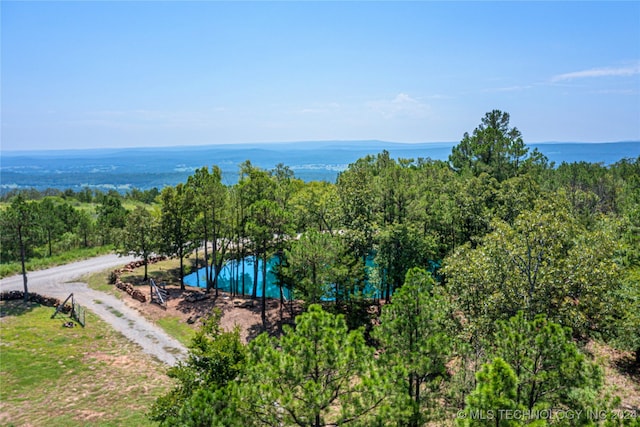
(196, 266)
(24, 274)
(254, 294)
(264, 289)
(49, 243)
(23, 256)
(242, 260)
(180, 255)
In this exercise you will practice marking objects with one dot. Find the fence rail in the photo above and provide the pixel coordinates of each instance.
(77, 311)
(159, 293)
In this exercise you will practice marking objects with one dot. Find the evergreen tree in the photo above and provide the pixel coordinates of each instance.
(318, 374)
(111, 216)
(493, 402)
(176, 224)
(50, 222)
(550, 368)
(211, 205)
(140, 236)
(19, 233)
(414, 335)
(356, 195)
(202, 396)
(494, 148)
(311, 264)
(400, 247)
(316, 206)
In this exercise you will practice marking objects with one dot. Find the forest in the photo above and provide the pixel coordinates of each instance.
(492, 271)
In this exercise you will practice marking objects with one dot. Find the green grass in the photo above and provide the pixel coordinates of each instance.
(100, 282)
(52, 375)
(177, 329)
(167, 271)
(33, 264)
(115, 312)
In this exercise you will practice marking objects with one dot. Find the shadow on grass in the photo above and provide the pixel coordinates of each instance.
(16, 307)
(170, 276)
(628, 366)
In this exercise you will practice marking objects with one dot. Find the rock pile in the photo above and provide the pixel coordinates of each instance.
(128, 287)
(139, 263)
(37, 298)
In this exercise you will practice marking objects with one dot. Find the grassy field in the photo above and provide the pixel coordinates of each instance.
(57, 376)
(176, 328)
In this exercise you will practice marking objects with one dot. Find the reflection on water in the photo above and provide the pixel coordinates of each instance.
(234, 272)
(231, 278)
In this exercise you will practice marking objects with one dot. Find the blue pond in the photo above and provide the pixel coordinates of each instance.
(231, 277)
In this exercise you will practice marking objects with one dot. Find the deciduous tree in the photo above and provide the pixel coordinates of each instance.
(546, 262)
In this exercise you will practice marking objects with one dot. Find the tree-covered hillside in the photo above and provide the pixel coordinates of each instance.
(494, 270)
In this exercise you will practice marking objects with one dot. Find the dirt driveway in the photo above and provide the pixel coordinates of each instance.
(60, 281)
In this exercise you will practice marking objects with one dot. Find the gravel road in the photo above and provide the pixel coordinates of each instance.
(60, 281)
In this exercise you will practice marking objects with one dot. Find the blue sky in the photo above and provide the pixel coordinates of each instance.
(122, 74)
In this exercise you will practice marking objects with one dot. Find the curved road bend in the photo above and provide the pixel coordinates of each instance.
(60, 281)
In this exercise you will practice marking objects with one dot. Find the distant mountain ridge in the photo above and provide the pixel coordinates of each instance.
(148, 167)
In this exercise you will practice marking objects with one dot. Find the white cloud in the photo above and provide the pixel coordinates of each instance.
(599, 72)
(401, 106)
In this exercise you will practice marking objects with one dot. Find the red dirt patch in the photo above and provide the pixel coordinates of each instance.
(243, 312)
(621, 376)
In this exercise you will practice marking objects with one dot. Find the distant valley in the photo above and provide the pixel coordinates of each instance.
(144, 168)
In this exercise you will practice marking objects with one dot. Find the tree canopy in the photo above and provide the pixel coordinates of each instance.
(494, 147)
(426, 287)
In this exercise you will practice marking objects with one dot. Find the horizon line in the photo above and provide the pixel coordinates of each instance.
(270, 143)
